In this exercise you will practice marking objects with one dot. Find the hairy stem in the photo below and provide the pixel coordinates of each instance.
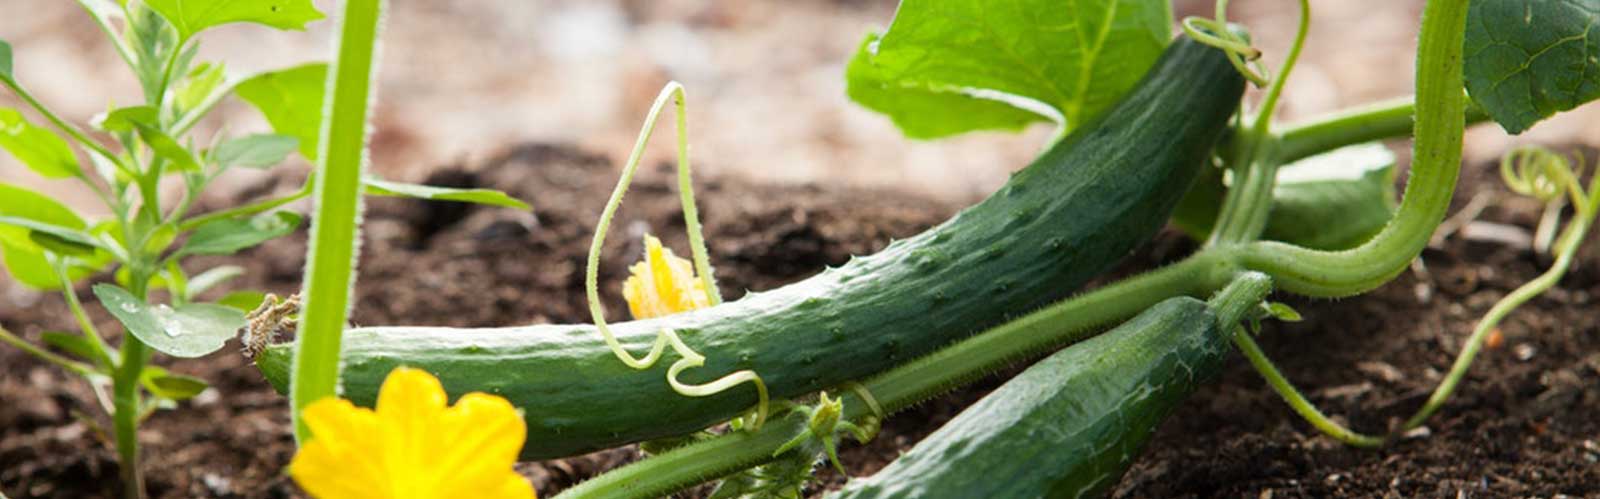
(1296, 401)
(1436, 164)
(331, 255)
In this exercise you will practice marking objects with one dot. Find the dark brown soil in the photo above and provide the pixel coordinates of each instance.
(1523, 424)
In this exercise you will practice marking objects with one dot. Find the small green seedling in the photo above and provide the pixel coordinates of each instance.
(132, 151)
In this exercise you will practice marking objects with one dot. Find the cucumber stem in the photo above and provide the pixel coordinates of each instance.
(1376, 121)
(1296, 401)
(1440, 120)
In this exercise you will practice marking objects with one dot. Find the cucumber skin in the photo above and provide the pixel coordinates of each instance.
(1071, 424)
(1070, 215)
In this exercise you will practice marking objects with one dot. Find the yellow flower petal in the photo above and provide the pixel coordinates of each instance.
(662, 284)
(413, 445)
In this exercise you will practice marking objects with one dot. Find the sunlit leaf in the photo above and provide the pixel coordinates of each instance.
(983, 59)
(123, 119)
(193, 16)
(379, 187)
(38, 148)
(229, 235)
(1529, 59)
(254, 151)
(291, 100)
(201, 81)
(189, 330)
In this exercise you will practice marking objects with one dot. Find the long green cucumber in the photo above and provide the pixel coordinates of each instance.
(1069, 425)
(1075, 211)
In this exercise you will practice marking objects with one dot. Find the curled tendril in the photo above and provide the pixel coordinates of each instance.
(1215, 32)
(690, 359)
(1542, 174)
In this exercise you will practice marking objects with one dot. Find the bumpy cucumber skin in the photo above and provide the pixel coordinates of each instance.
(1078, 209)
(1071, 424)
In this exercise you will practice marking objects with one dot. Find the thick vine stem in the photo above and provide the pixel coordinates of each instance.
(1436, 164)
(673, 92)
(1376, 121)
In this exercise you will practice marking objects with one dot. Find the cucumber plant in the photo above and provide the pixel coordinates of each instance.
(131, 152)
(1139, 118)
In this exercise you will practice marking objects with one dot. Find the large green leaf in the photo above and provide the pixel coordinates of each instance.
(39, 149)
(972, 64)
(291, 99)
(379, 187)
(189, 330)
(1529, 59)
(193, 16)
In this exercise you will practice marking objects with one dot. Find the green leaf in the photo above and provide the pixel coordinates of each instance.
(254, 151)
(60, 245)
(5, 61)
(979, 64)
(1331, 201)
(23, 210)
(193, 16)
(291, 100)
(78, 345)
(189, 330)
(211, 278)
(1529, 59)
(167, 147)
(40, 149)
(379, 187)
(1335, 200)
(198, 85)
(170, 386)
(125, 119)
(1281, 311)
(244, 301)
(229, 235)
(925, 114)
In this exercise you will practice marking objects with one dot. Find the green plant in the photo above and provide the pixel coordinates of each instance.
(149, 237)
(1028, 245)
(1073, 213)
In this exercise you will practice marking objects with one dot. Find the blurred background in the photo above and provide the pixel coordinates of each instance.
(463, 80)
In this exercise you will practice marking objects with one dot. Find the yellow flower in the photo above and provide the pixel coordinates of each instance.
(413, 446)
(662, 284)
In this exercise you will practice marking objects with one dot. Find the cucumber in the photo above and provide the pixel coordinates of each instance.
(1069, 425)
(1075, 211)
